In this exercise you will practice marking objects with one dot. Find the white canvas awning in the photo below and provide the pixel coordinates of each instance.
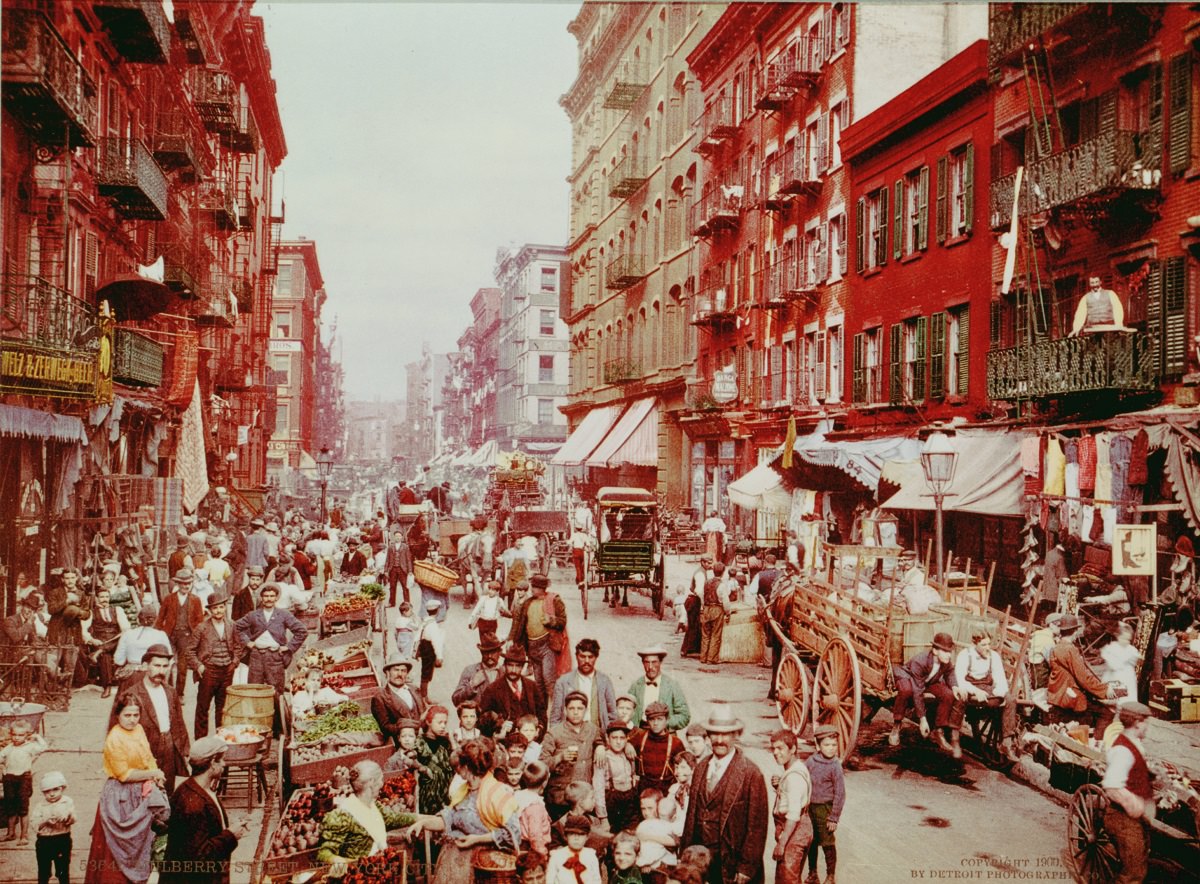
(760, 489)
(590, 432)
(633, 440)
(987, 479)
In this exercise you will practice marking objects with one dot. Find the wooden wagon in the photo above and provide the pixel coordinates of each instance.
(851, 643)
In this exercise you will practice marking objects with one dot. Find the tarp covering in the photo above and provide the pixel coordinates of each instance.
(633, 440)
(862, 460)
(485, 455)
(590, 432)
(761, 488)
(29, 423)
(988, 479)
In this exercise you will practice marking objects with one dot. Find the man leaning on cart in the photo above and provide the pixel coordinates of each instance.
(1127, 783)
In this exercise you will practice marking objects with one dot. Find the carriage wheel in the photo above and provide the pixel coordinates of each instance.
(1092, 852)
(660, 583)
(793, 693)
(656, 598)
(837, 693)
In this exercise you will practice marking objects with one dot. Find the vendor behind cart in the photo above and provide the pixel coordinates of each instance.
(359, 826)
(1127, 783)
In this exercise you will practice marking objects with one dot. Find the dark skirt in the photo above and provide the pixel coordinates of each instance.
(691, 636)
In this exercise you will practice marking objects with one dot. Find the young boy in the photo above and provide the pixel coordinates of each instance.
(622, 866)
(793, 826)
(488, 611)
(530, 729)
(648, 802)
(828, 798)
(615, 780)
(515, 746)
(405, 757)
(697, 740)
(468, 716)
(625, 706)
(431, 641)
(656, 749)
(531, 809)
(406, 631)
(574, 863)
(52, 821)
(16, 760)
(582, 800)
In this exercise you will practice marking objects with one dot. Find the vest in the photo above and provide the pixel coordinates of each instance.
(710, 592)
(1139, 775)
(708, 816)
(104, 630)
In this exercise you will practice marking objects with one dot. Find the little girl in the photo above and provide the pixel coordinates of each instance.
(1120, 663)
(488, 611)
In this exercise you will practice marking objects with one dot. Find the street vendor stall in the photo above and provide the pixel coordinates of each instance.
(348, 605)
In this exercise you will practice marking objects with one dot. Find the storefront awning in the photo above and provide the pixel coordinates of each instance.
(29, 423)
(987, 479)
(633, 440)
(760, 489)
(590, 432)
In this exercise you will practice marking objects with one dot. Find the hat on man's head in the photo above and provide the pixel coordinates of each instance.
(157, 650)
(1184, 547)
(1069, 623)
(490, 645)
(621, 697)
(184, 575)
(655, 709)
(272, 525)
(618, 725)
(254, 571)
(721, 720)
(407, 722)
(217, 598)
(515, 654)
(205, 748)
(256, 523)
(539, 580)
(653, 651)
(576, 824)
(822, 731)
(432, 604)
(53, 779)
(1134, 710)
(943, 641)
(396, 660)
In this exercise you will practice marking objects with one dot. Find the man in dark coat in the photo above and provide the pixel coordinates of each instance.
(727, 805)
(69, 606)
(398, 565)
(168, 738)
(180, 615)
(514, 695)
(540, 629)
(930, 672)
(216, 650)
(200, 841)
(476, 677)
(354, 562)
(396, 701)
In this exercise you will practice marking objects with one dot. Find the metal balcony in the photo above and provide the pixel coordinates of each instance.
(128, 175)
(235, 372)
(138, 29)
(622, 371)
(1086, 176)
(215, 97)
(1013, 26)
(45, 86)
(713, 310)
(624, 271)
(792, 69)
(628, 83)
(38, 313)
(716, 126)
(628, 177)
(719, 209)
(242, 138)
(183, 266)
(215, 309)
(217, 199)
(194, 35)
(137, 359)
(779, 284)
(1115, 362)
(177, 146)
(244, 206)
(788, 178)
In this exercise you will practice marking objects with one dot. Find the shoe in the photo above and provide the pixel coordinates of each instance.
(940, 741)
(106, 693)
(813, 878)
(893, 740)
(955, 748)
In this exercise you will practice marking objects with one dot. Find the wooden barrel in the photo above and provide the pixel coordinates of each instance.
(743, 639)
(955, 615)
(250, 704)
(913, 633)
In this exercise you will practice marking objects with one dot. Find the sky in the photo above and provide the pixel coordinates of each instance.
(421, 137)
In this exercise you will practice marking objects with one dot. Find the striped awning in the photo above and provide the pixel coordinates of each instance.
(590, 432)
(633, 440)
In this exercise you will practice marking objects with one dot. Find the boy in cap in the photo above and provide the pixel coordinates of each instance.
(828, 799)
(1129, 786)
(431, 641)
(575, 862)
(657, 749)
(52, 821)
(568, 750)
(615, 780)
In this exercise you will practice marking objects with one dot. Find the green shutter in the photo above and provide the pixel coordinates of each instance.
(922, 330)
(923, 209)
(898, 220)
(858, 389)
(996, 324)
(1174, 312)
(1154, 313)
(859, 234)
(882, 256)
(964, 349)
(943, 201)
(937, 356)
(894, 375)
(1179, 110)
(969, 188)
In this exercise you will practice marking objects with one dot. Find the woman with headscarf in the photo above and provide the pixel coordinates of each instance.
(486, 816)
(359, 825)
(133, 805)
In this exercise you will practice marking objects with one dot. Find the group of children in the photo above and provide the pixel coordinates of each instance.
(52, 819)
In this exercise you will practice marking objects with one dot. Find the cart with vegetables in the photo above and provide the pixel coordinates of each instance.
(356, 606)
(314, 748)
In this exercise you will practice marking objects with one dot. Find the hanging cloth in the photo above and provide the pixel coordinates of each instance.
(1056, 466)
(1119, 447)
(1087, 462)
(1139, 472)
(1103, 490)
(1031, 463)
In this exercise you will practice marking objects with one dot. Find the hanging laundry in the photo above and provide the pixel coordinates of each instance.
(1056, 465)
(1072, 507)
(1119, 447)
(1086, 522)
(1071, 451)
(1139, 468)
(1087, 462)
(1031, 463)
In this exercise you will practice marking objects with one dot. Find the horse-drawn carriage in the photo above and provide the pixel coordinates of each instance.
(629, 553)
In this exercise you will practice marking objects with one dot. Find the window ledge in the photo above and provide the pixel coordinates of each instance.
(956, 400)
(953, 241)
(1192, 173)
(841, 51)
(910, 257)
(872, 271)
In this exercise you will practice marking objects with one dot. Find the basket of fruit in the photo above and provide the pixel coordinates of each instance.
(244, 741)
(385, 867)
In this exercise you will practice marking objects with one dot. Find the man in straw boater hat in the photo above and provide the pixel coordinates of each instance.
(654, 686)
(725, 780)
(476, 677)
(929, 672)
(1129, 786)
(216, 650)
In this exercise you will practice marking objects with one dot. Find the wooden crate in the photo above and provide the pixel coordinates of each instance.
(319, 771)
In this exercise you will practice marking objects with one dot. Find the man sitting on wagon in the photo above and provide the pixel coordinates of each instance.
(930, 672)
(983, 686)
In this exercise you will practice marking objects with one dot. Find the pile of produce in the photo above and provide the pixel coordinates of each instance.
(372, 591)
(399, 792)
(345, 720)
(348, 604)
(382, 868)
(313, 657)
(300, 826)
(363, 645)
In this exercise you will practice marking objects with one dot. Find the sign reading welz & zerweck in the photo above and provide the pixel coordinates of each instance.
(28, 369)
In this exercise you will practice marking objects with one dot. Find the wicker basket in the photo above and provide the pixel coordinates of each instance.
(434, 576)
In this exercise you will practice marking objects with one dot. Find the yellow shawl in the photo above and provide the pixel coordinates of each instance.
(496, 802)
(126, 751)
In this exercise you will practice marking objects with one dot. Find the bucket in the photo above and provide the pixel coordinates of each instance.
(494, 866)
(250, 704)
(913, 633)
(19, 710)
(955, 615)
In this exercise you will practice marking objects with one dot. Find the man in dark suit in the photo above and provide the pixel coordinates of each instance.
(930, 672)
(398, 565)
(180, 615)
(514, 695)
(216, 650)
(162, 716)
(272, 637)
(727, 805)
(396, 701)
(199, 841)
(354, 562)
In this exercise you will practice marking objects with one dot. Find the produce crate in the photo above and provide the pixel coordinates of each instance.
(319, 771)
(356, 661)
(288, 864)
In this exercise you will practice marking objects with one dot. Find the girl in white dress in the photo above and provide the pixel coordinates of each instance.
(1120, 662)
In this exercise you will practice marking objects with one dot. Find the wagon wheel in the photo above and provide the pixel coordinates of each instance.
(1092, 852)
(837, 693)
(543, 552)
(793, 693)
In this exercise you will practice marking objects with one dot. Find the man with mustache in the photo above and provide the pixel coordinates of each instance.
(162, 715)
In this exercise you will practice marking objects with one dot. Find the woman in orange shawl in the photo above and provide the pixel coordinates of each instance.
(486, 816)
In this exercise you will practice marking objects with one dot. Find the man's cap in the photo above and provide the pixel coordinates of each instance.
(1138, 710)
(218, 598)
(157, 649)
(576, 824)
(1184, 547)
(1069, 623)
(256, 523)
(514, 654)
(653, 651)
(206, 748)
(490, 645)
(655, 709)
(408, 722)
(575, 695)
(351, 541)
(184, 575)
(539, 580)
(943, 641)
(627, 697)
(825, 730)
(617, 725)
(432, 604)
(53, 779)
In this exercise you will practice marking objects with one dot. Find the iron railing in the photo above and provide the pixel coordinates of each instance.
(713, 307)
(137, 28)
(194, 35)
(624, 271)
(772, 391)
(628, 176)
(1013, 26)
(628, 83)
(184, 265)
(44, 84)
(718, 209)
(716, 125)
(1113, 162)
(177, 144)
(1105, 361)
(129, 175)
(39, 313)
(218, 199)
(215, 97)
(622, 371)
(137, 359)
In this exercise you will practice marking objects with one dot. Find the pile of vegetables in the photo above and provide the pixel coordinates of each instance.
(348, 604)
(300, 826)
(313, 657)
(399, 792)
(342, 719)
(372, 591)
(382, 868)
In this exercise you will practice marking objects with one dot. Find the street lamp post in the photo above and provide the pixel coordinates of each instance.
(324, 466)
(938, 460)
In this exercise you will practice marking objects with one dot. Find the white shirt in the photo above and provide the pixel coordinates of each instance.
(1119, 762)
(557, 874)
(132, 645)
(717, 768)
(699, 579)
(487, 608)
(971, 662)
(651, 694)
(713, 524)
(162, 709)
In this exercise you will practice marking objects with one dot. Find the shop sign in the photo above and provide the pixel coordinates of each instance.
(28, 369)
(1135, 550)
(276, 346)
(724, 385)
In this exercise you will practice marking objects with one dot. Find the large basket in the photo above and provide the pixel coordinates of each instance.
(434, 576)
(913, 633)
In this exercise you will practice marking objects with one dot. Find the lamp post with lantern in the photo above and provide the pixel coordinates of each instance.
(939, 461)
(324, 467)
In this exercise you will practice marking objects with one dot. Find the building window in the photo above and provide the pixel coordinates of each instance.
(816, 52)
(913, 194)
(549, 279)
(837, 246)
(545, 369)
(958, 335)
(281, 365)
(868, 366)
(546, 323)
(871, 230)
(281, 420)
(815, 366)
(813, 143)
(915, 342)
(839, 119)
(545, 414)
(834, 358)
(815, 256)
(283, 324)
(962, 178)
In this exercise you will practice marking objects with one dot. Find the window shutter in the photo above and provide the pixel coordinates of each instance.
(776, 373)
(923, 209)
(819, 381)
(858, 384)
(842, 245)
(937, 356)
(1154, 313)
(922, 347)
(969, 188)
(894, 375)
(996, 318)
(823, 156)
(943, 202)
(823, 253)
(1174, 284)
(964, 350)
(827, 33)
(898, 220)
(1151, 153)
(802, 357)
(1179, 110)
(859, 231)
(91, 266)
(881, 256)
